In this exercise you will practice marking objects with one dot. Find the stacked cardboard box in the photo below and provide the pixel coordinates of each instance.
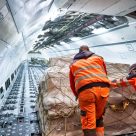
(58, 110)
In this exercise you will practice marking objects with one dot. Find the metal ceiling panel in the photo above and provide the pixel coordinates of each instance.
(107, 7)
(60, 3)
(7, 29)
(26, 12)
(77, 5)
(92, 6)
(2, 3)
(4, 11)
(96, 6)
(3, 48)
(121, 8)
(15, 5)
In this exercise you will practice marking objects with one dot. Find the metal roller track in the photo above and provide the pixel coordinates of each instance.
(18, 116)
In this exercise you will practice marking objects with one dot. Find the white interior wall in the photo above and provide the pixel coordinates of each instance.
(11, 60)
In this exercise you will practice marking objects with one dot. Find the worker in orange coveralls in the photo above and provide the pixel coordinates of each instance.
(89, 82)
(129, 80)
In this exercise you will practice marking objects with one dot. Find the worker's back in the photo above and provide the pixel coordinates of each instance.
(89, 70)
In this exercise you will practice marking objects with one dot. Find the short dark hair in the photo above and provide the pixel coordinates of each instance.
(83, 48)
(132, 67)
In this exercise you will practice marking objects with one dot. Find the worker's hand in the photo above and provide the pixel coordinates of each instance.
(114, 81)
(113, 84)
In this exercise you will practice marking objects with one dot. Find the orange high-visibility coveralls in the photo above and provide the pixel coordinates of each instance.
(124, 83)
(88, 81)
(130, 80)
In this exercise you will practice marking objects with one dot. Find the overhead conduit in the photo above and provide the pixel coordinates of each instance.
(74, 24)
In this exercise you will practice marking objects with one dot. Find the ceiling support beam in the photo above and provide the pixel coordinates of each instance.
(69, 34)
(12, 15)
(5, 43)
(88, 23)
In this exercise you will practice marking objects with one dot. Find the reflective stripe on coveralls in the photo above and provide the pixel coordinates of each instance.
(85, 73)
(90, 76)
(85, 68)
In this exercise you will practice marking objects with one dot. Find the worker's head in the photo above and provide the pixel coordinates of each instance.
(132, 69)
(83, 48)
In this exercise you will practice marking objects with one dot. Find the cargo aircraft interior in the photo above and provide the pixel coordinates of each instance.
(33, 31)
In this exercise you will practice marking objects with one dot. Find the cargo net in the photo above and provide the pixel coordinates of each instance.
(59, 112)
(120, 116)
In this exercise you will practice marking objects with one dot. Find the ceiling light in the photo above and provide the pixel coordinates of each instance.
(47, 30)
(62, 43)
(75, 38)
(115, 18)
(99, 31)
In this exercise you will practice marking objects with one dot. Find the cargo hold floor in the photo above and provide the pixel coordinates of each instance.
(18, 115)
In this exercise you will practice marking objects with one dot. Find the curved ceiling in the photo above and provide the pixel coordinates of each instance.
(22, 22)
(49, 25)
(75, 24)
